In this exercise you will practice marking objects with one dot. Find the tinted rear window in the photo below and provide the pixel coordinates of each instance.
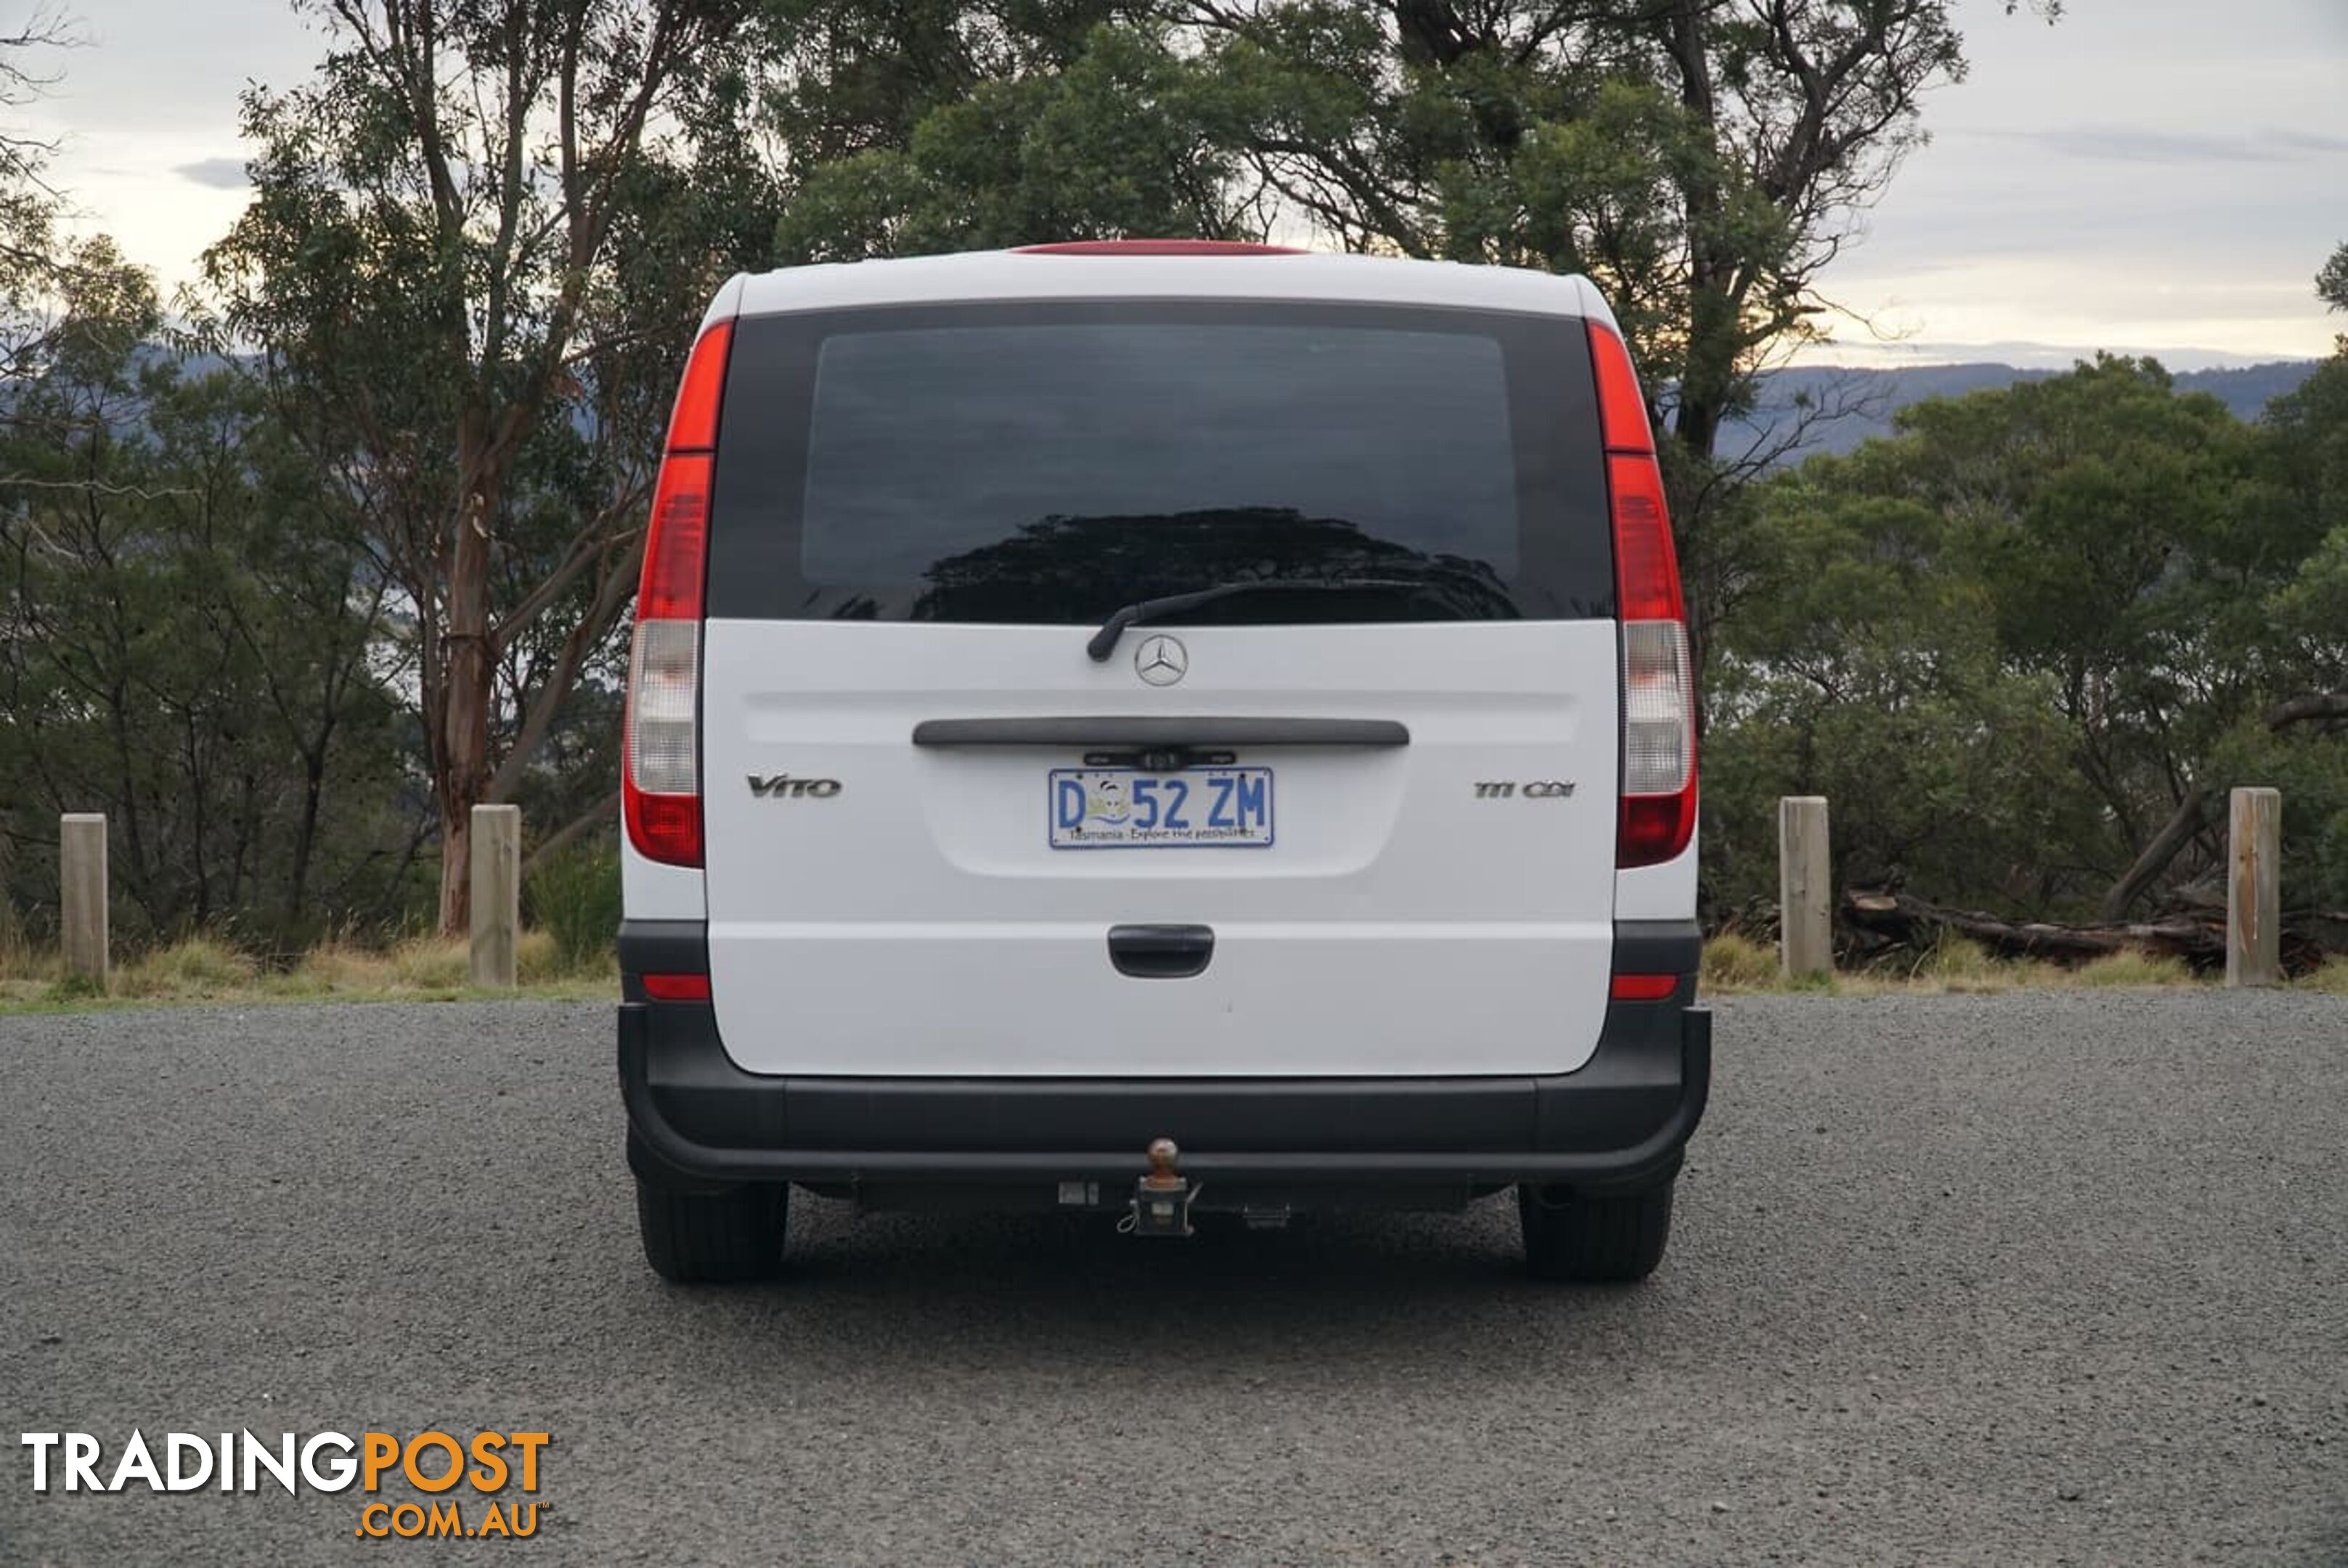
(1047, 463)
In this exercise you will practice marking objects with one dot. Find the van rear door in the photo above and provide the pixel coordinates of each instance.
(1356, 820)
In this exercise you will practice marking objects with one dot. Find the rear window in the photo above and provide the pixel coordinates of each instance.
(1048, 463)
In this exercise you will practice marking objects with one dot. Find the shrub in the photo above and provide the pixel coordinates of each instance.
(2132, 968)
(575, 897)
(197, 967)
(432, 964)
(1960, 963)
(1735, 962)
(537, 959)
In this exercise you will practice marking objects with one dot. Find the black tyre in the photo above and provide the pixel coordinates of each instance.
(1602, 1238)
(712, 1238)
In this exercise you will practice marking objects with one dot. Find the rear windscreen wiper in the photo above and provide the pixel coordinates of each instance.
(1104, 641)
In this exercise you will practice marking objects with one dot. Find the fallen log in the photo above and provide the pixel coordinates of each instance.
(1887, 920)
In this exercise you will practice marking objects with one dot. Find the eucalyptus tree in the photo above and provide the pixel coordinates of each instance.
(1705, 161)
(477, 240)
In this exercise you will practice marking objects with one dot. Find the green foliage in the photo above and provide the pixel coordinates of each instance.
(575, 897)
(70, 989)
(1125, 137)
(480, 238)
(283, 627)
(185, 638)
(2008, 643)
(1702, 165)
(2331, 282)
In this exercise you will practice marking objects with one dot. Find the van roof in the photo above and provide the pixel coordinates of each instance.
(1032, 275)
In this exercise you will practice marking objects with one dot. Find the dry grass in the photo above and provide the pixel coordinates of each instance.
(1960, 966)
(198, 969)
(205, 969)
(26, 973)
(2134, 969)
(1734, 964)
(435, 969)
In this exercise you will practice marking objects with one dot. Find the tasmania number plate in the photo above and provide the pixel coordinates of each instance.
(1126, 808)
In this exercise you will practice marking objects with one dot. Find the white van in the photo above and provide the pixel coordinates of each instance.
(1168, 694)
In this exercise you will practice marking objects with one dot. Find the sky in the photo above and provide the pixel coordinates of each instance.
(2147, 175)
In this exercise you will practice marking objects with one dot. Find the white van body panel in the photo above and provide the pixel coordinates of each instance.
(1016, 275)
(652, 890)
(917, 922)
(1665, 891)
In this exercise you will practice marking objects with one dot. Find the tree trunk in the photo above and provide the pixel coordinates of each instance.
(456, 868)
(2164, 847)
(2300, 710)
(305, 834)
(471, 692)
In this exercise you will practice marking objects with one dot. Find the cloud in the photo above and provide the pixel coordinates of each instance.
(2139, 144)
(2308, 141)
(215, 173)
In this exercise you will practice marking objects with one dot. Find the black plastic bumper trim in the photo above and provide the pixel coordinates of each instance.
(1658, 947)
(1622, 1119)
(664, 946)
(660, 947)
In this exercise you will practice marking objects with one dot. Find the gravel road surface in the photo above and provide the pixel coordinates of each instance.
(2035, 1278)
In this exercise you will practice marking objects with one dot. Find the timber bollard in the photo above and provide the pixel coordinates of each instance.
(497, 896)
(1805, 903)
(81, 893)
(2254, 889)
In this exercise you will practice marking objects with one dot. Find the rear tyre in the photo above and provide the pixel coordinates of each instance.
(1594, 1238)
(712, 1238)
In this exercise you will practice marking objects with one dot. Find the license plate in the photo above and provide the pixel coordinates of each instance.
(1126, 808)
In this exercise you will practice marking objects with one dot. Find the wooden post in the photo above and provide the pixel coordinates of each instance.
(1805, 907)
(497, 894)
(2254, 889)
(81, 893)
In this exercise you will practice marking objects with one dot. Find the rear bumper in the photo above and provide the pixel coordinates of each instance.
(1620, 1119)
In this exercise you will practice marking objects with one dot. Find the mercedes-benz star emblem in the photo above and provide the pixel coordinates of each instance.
(1161, 660)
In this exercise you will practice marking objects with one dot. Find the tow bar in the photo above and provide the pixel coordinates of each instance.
(1162, 1199)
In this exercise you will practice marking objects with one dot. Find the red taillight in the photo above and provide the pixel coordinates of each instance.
(676, 545)
(1659, 796)
(660, 784)
(692, 423)
(1646, 567)
(677, 987)
(1654, 827)
(1622, 406)
(1643, 988)
(1158, 248)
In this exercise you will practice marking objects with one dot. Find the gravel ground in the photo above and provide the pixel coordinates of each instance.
(2035, 1278)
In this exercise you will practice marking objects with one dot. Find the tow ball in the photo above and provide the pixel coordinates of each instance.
(1162, 1199)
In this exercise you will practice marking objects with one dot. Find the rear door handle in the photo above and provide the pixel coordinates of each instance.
(1161, 730)
(1161, 952)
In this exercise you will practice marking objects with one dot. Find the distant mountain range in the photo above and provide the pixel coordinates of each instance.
(1848, 405)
